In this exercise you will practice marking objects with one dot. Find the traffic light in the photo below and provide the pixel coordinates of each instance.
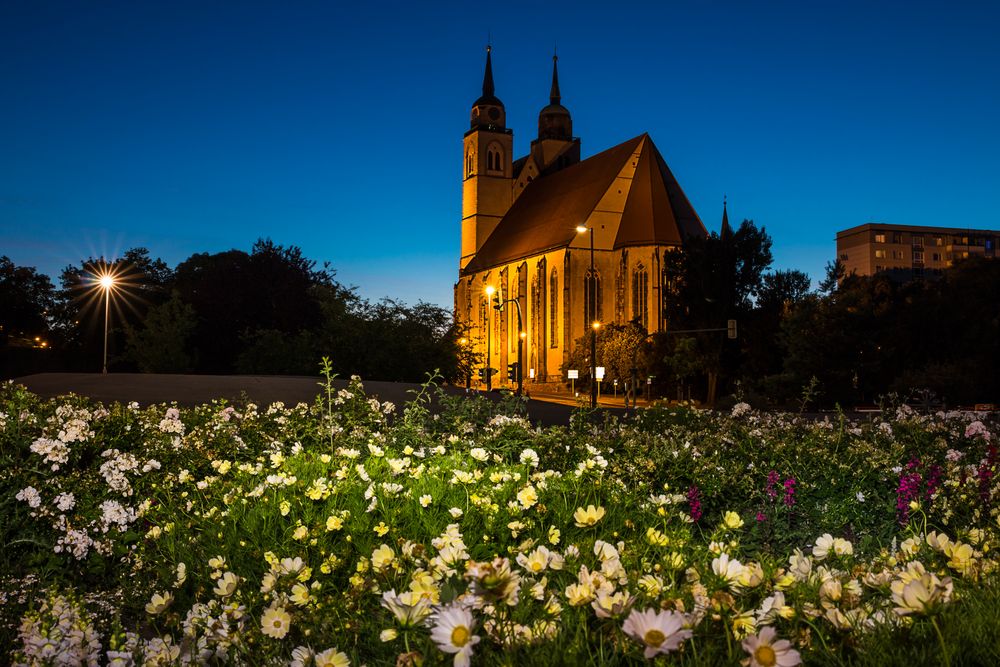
(731, 329)
(482, 374)
(513, 370)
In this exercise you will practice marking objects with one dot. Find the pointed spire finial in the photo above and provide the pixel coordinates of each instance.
(554, 96)
(488, 76)
(725, 231)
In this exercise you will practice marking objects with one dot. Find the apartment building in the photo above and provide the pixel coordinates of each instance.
(908, 251)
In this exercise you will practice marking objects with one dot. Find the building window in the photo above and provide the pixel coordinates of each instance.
(494, 158)
(878, 268)
(470, 164)
(936, 256)
(640, 295)
(897, 238)
(553, 309)
(897, 254)
(592, 298)
(918, 241)
(938, 240)
(880, 254)
(918, 256)
(880, 238)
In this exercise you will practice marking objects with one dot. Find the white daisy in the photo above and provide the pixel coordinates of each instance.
(658, 631)
(453, 633)
(765, 652)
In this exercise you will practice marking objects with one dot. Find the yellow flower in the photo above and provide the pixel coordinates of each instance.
(388, 635)
(962, 557)
(381, 529)
(732, 520)
(588, 517)
(426, 500)
(226, 585)
(657, 538)
(300, 533)
(579, 594)
(527, 497)
(920, 594)
(331, 657)
(300, 595)
(334, 523)
(554, 535)
(284, 507)
(158, 603)
(383, 556)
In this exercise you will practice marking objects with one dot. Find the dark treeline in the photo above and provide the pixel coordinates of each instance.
(269, 311)
(272, 311)
(855, 341)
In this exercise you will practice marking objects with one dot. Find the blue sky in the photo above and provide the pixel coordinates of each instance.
(200, 126)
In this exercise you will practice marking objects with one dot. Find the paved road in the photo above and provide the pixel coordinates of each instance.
(190, 390)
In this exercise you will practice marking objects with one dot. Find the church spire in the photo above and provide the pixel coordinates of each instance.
(488, 76)
(725, 231)
(554, 96)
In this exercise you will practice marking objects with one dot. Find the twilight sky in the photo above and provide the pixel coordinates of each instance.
(200, 126)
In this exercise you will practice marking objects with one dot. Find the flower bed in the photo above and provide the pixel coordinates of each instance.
(350, 532)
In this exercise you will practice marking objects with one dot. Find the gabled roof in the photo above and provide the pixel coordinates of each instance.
(545, 216)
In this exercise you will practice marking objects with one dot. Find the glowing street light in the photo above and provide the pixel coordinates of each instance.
(107, 283)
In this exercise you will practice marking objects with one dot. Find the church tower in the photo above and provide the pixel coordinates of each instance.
(487, 169)
(555, 146)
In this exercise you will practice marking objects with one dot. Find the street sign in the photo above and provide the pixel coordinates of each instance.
(573, 375)
(600, 372)
(531, 373)
(649, 380)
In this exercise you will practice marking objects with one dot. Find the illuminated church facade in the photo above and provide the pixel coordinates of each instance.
(526, 237)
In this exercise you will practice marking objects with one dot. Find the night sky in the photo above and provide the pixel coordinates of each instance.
(200, 126)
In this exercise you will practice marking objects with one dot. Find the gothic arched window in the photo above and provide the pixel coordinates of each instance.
(592, 298)
(640, 295)
(553, 309)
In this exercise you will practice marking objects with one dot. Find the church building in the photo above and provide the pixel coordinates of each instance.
(527, 229)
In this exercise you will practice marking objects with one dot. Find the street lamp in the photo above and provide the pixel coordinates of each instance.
(521, 335)
(593, 312)
(107, 282)
(489, 333)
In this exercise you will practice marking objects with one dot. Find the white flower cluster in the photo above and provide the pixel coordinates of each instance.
(114, 514)
(739, 410)
(72, 540)
(171, 422)
(30, 495)
(57, 633)
(113, 470)
(55, 452)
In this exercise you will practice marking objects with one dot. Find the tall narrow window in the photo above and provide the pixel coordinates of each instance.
(592, 298)
(640, 295)
(553, 309)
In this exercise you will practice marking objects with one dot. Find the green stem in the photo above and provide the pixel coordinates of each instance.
(944, 649)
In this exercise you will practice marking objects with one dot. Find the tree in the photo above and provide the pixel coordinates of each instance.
(159, 344)
(715, 279)
(28, 298)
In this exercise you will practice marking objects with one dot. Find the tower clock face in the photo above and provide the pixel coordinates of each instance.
(494, 113)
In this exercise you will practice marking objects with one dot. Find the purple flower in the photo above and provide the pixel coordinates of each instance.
(761, 517)
(772, 479)
(789, 492)
(694, 501)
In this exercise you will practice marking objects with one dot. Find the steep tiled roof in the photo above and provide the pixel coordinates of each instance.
(546, 215)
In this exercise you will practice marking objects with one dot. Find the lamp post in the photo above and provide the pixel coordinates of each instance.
(593, 312)
(489, 334)
(107, 281)
(521, 335)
